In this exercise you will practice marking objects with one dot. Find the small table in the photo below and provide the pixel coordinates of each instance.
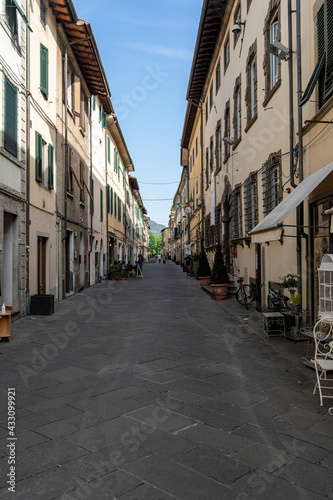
(5, 324)
(273, 324)
(294, 323)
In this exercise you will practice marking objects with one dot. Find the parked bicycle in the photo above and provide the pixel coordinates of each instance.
(245, 293)
(275, 298)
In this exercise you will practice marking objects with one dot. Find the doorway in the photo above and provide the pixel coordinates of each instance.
(10, 261)
(41, 265)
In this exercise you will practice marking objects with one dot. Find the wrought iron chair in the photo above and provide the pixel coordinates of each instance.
(323, 361)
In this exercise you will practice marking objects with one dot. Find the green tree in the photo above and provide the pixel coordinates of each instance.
(155, 243)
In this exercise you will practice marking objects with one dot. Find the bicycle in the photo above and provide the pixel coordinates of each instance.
(245, 293)
(276, 300)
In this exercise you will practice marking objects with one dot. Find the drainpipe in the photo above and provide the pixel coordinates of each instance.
(91, 200)
(300, 208)
(291, 96)
(27, 165)
(66, 162)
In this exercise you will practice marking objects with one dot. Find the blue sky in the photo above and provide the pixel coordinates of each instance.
(146, 47)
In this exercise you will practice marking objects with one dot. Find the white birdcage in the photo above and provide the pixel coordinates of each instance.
(325, 275)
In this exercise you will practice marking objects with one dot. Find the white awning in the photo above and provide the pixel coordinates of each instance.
(269, 235)
(288, 205)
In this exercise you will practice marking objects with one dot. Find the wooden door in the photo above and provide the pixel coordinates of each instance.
(41, 265)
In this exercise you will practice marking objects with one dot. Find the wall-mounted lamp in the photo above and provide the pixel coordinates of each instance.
(228, 140)
(237, 27)
(279, 50)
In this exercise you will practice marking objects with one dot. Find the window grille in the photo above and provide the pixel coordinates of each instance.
(236, 213)
(271, 177)
(250, 203)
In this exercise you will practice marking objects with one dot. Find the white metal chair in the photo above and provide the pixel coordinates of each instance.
(323, 361)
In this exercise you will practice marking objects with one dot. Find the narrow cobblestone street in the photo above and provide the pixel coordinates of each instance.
(147, 389)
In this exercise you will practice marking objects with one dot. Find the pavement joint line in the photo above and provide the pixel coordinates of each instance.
(188, 427)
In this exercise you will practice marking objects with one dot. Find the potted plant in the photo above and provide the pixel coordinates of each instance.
(203, 269)
(219, 279)
(296, 304)
(116, 271)
(290, 282)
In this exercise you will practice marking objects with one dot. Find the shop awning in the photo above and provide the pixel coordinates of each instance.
(275, 218)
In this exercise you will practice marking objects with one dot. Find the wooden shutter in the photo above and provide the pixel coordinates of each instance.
(44, 69)
(329, 48)
(50, 166)
(38, 158)
(76, 95)
(104, 120)
(119, 209)
(111, 201)
(109, 150)
(115, 205)
(10, 133)
(108, 198)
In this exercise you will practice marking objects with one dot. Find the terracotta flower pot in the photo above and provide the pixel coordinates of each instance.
(204, 280)
(220, 292)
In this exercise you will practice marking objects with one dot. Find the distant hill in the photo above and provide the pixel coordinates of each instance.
(156, 228)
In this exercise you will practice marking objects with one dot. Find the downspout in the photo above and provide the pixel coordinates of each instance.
(66, 161)
(291, 96)
(300, 208)
(92, 194)
(201, 178)
(27, 187)
(107, 197)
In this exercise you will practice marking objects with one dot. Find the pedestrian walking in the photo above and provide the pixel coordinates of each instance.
(159, 258)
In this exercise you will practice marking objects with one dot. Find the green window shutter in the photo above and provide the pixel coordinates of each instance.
(10, 133)
(101, 112)
(94, 102)
(38, 158)
(115, 205)
(108, 198)
(109, 149)
(92, 196)
(50, 166)
(101, 204)
(104, 120)
(119, 209)
(111, 201)
(44, 69)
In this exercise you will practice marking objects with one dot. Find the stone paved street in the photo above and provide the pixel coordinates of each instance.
(150, 390)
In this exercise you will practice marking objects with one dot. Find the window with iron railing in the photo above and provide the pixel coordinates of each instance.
(250, 203)
(271, 184)
(236, 213)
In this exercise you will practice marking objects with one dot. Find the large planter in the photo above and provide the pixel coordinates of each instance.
(220, 292)
(204, 280)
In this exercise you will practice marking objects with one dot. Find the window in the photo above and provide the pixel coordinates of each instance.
(218, 224)
(116, 161)
(81, 181)
(101, 203)
(38, 157)
(50, 166)
(271, 184)
(10, 125)
(115, 205)
(274, 63)
(211, 96)
(206, 109)
(237, 17)
(207, 170)
(236, 213)
(211, 154)
(237, 111)
(70, 172)
(43, 13)
(92, 204)
(83, 112)
(250, 203)
(104, 120)
(218, 77)
(127, 198)
(101, 112)
(325, 46)
(44, 69)
(251, 86)
(109, 149)
(111, 202)
(249, 4)
(271, 63)
(119, 209)
(11, 17)
(218, 150)
(227, 131)
(226, 51)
